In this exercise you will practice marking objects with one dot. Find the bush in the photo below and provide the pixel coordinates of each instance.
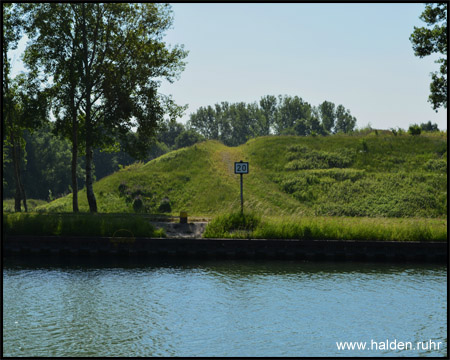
(138, 204)
(122, 187)
(165, 206)
(364, 146)
(415, 130)
(439, 165)
(312, 159)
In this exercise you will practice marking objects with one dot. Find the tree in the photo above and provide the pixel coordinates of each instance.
(345, 122)
(204, 121)
(268, 105)
(56, 50)
(169, 132)
(414, 130)
(188, 138)
(429, 126)
(10, 130)
(290, 109)
(25, 104)
(327, 113)
(118, 55)
(426, 41)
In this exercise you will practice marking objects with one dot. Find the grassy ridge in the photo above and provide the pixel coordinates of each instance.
(341, 175)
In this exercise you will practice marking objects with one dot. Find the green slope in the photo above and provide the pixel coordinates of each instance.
(339, 175)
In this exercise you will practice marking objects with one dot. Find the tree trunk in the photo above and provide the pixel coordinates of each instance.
(89, 181)
(19, 177)
(88, 87)
(74, 163)
(17, 182)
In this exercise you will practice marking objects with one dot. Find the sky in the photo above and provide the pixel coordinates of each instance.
(357, 55)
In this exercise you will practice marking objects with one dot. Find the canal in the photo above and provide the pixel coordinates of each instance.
(222, 308)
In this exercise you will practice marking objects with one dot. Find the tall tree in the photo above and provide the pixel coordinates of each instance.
(327, 112)
(56, 50)
(268, 105)
(204, 121)
(291, 109)
(119, 56)
(24, 101)
(345, 122)
(433, 40)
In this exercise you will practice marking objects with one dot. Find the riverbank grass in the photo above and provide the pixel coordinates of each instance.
(63, 224)
(250, 225)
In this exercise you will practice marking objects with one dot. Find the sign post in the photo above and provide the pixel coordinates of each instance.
(241, 168)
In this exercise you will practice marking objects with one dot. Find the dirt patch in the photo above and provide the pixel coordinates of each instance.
(178, 230)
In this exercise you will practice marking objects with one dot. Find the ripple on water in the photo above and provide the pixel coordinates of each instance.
(220, 309)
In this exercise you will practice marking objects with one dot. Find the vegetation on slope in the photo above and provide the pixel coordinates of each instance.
(341, 175)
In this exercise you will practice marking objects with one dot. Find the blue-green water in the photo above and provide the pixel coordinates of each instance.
(222, 308)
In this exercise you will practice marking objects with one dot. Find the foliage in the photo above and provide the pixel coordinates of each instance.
(78, 225)
(432, 39)
(188, 138)
(328, 115)
(414, 129)
(115, 54)
(25, 103)
(236, 123)
(429, 127)
(345, 122)
(304, 158)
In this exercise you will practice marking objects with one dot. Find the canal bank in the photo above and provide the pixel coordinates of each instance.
(227, 248)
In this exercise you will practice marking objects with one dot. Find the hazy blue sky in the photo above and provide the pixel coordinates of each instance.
(358, 55)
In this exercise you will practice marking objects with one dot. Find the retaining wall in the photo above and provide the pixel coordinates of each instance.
(227, 248)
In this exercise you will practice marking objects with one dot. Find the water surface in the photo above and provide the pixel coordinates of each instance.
(221, 308)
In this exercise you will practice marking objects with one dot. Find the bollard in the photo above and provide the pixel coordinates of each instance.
(183, 217)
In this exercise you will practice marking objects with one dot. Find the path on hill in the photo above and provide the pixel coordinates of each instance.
(227, 158)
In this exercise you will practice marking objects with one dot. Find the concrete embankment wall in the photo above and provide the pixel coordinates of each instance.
(227, 248)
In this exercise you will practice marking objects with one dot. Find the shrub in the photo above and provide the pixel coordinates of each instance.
(364, 146)
(122, 187)
(313, 159)
(138, 204)
(165, 206)
(439, 165)
(414, 130)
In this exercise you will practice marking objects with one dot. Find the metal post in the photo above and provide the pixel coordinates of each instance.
(242, 196)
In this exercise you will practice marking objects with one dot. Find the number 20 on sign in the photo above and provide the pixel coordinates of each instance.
(241, 168)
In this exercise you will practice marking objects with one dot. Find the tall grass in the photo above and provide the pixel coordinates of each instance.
(32, 204)
(79, 225)
(235, 225)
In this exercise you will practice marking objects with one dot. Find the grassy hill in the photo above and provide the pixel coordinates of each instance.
(371, 175)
